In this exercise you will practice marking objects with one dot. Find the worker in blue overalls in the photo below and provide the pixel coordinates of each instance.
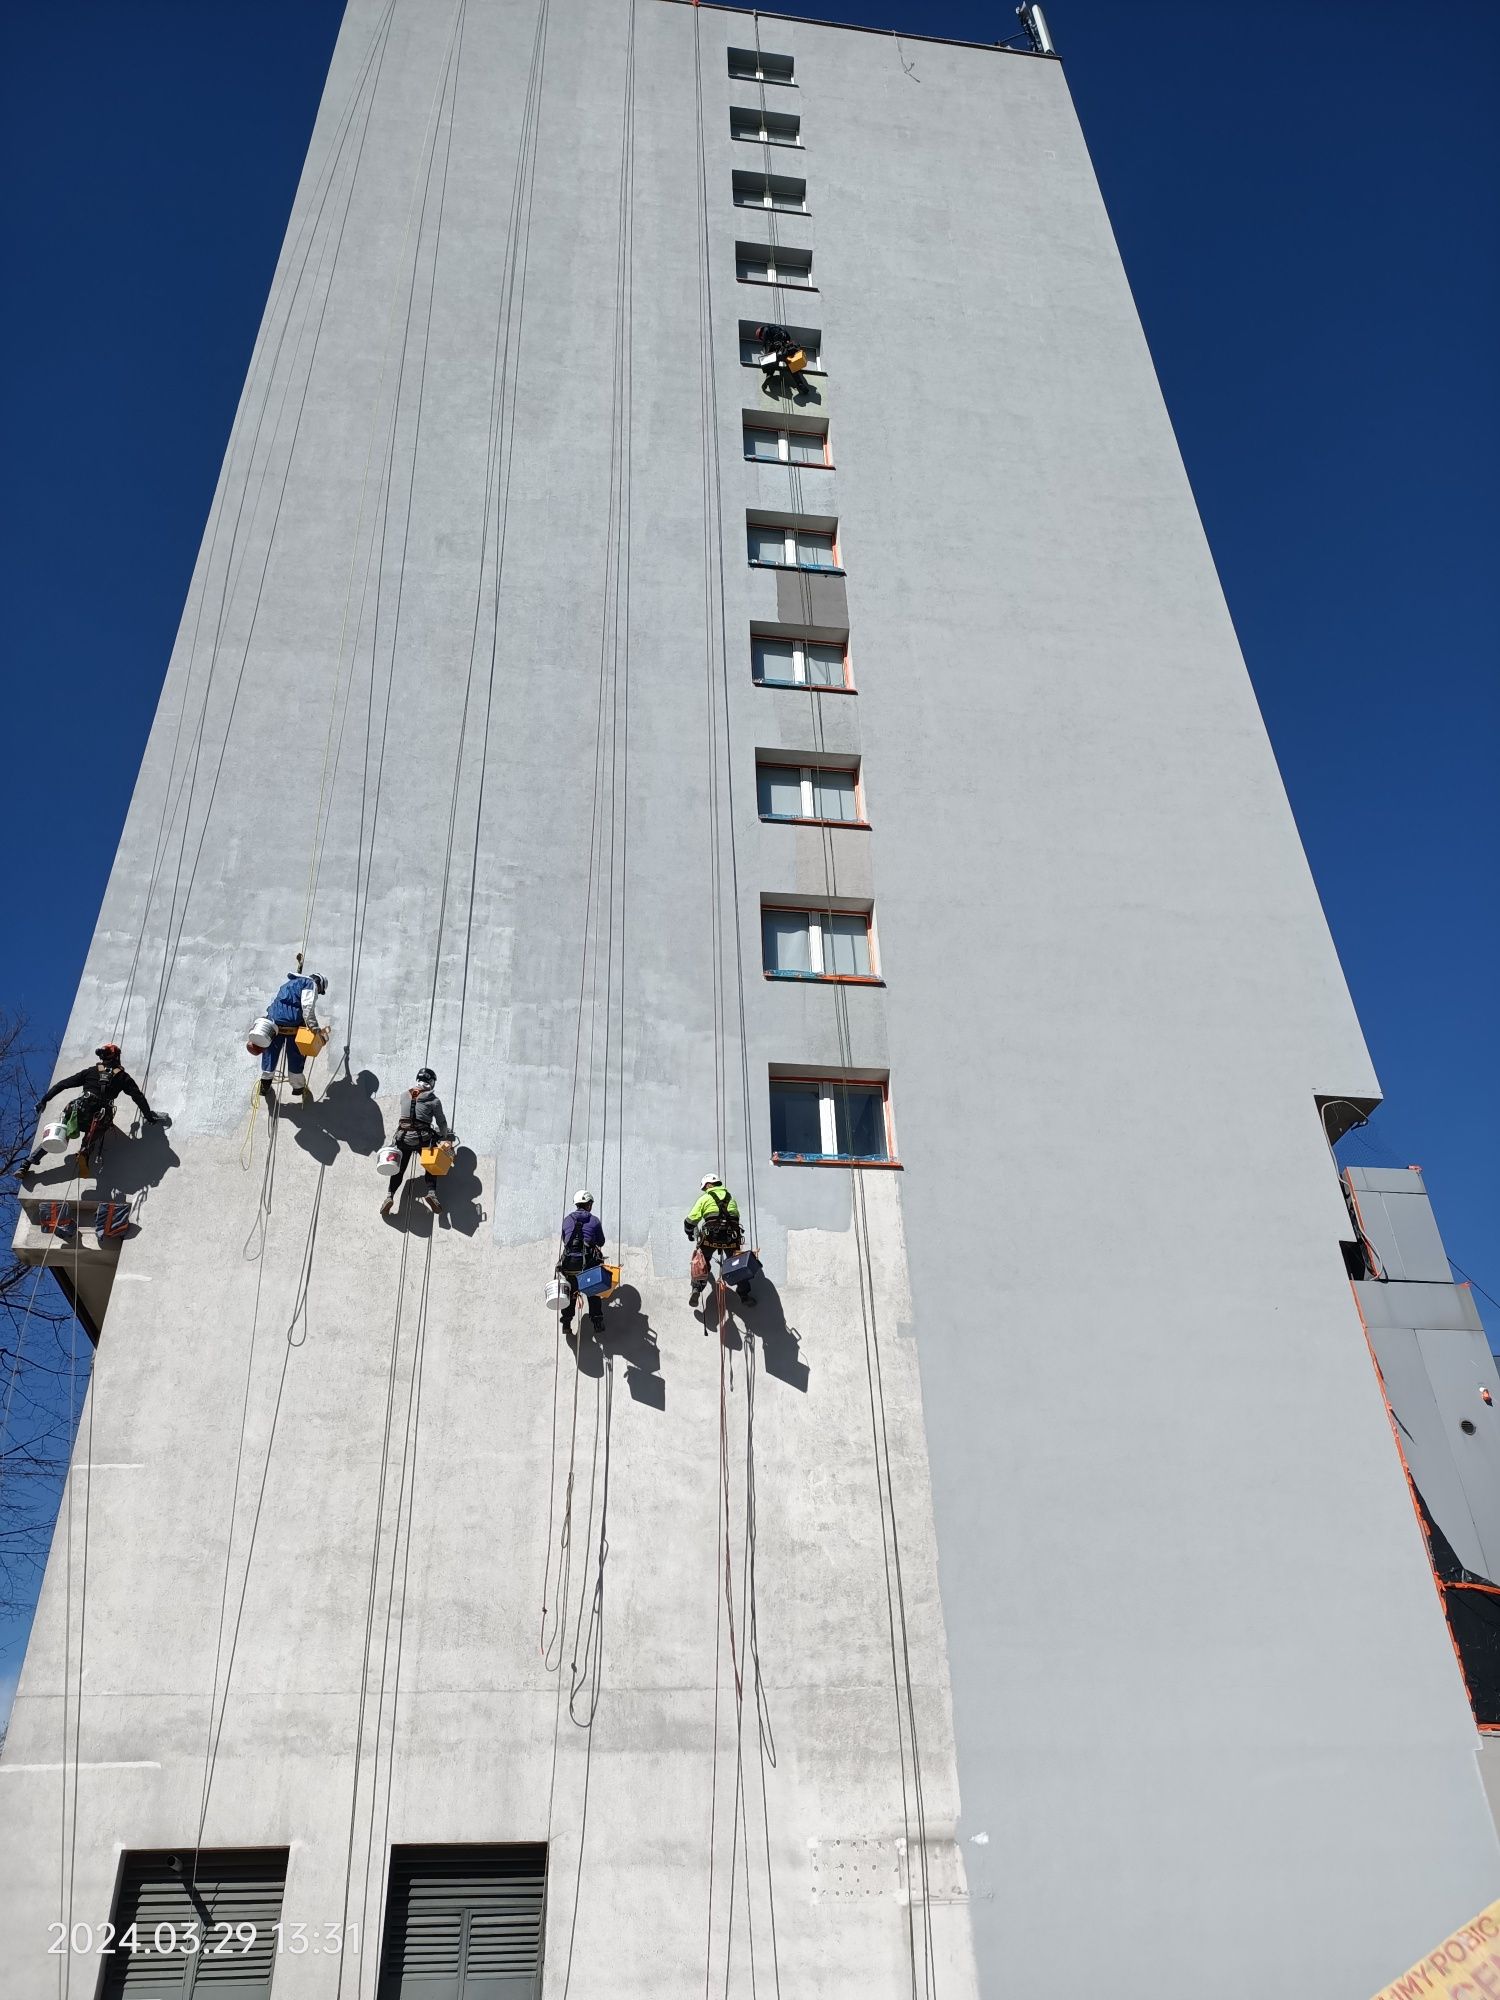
(295, 1006)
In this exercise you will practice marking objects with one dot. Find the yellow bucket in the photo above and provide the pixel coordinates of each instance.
(612, 1286)
(437, 1159)
(796, 361)
(311, 1041)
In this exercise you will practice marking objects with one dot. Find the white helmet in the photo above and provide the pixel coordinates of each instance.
(583, 1199)
(712, 1180)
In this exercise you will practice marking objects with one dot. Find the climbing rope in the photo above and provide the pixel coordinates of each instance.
(724, 886)
(601, 984)
(287, 287)
(913, 1797)
(177, 912)
(69, 1818)
(295, 1331)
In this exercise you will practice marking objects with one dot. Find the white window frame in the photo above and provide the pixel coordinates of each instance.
(767, 198)
(788, 82)
(794, 278)
(789, 549)
(784, 448)
(806, 774)
(828, 1089)
(817, 959)
(799, 647)
(763, 134)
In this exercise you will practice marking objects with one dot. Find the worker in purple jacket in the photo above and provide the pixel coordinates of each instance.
(582, 1247)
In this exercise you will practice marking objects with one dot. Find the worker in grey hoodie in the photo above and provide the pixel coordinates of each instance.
(422, 1122)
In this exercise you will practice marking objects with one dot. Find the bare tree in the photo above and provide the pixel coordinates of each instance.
(44, 1354)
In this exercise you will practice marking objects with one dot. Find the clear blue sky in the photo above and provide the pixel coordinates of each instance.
(1305, 200)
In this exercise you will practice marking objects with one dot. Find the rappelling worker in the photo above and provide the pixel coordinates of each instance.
(713, 1222)
(582, 1240)
(92, 1112)
(782, 361)
(421, 1123)
(295, 1006)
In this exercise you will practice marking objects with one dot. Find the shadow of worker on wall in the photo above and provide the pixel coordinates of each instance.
(762, 1319)
(128, 1166)
(459, 1191)
(626, 1332)
(345, 1115)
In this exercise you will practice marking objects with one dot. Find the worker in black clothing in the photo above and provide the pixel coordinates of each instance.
(581, 1248)
(779, 351)
(90, 1115)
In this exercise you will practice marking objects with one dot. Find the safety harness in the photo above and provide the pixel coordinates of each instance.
(721, 1231)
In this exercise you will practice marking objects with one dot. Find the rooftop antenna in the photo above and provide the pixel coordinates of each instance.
(1034, 21)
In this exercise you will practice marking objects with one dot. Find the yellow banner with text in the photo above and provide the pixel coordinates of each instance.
(1465, 1966)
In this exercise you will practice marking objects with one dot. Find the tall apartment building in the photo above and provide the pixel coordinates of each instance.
(858, 789)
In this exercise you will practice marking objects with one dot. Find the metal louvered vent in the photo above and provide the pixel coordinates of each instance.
(464, 1923)
(198, 1939)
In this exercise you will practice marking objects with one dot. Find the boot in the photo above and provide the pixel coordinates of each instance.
(693, 1297)
(388, 1204)
(431, 1201)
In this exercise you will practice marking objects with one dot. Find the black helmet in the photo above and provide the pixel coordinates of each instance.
(108, 1052)
(426, 1076)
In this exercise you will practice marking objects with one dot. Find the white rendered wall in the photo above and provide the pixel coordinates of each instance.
(1175, 1651)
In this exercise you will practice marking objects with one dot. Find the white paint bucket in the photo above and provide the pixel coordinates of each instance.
(389, 1161)
(262, 1034)
(53, 1138)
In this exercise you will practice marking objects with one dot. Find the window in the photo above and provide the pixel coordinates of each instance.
(172, 1906)
(780, 659)
(816, 944)
(754, 353)
(464, 1923)
(792, 545)
(831, 1120)
(760, 67)
(826, 794)
(770, 128)
(773, 264)
(786, 447)
(770, 191)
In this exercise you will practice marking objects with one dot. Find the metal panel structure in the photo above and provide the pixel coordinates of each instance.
(1398, 1221)
(464, 1924)
(201, 1924)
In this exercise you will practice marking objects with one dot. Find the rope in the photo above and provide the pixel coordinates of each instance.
(257, 1235)
(504, 378)
(724, 876)
(70, 1818)
(308, 228)
(601, 978)
(405, 1499)
(319, 823)
(370, 1595)
(172, 942)
(365, 867)
(913, 1797)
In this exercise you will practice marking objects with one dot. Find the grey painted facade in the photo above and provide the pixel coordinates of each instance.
(1124, 1387)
